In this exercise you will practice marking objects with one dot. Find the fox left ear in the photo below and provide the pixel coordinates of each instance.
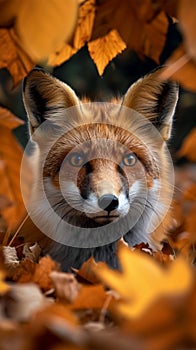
(45, 96)
(155, 100)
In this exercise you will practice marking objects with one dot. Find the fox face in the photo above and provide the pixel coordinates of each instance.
(102, 170)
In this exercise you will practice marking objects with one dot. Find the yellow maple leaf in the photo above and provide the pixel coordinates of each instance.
(104, 49)
(143, 281)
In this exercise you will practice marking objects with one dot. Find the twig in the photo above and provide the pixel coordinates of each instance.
(20, 226)
(174, 67)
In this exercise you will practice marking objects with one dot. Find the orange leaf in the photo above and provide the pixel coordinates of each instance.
(11, 154)
(104, 49)
(3, 286)
(87, 270)
(28, 271)
(41, 35)
(89, 297)
(62, 55)
(85, 24)
(13, 56)
(189, 145)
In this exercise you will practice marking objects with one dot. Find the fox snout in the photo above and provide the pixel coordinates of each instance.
(108, 202)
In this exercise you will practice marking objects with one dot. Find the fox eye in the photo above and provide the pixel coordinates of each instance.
(76, 159)
(129, 159)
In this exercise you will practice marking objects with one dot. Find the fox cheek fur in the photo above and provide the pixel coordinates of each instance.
(110, 163)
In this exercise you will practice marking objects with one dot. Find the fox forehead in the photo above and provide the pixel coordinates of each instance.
(99, 141)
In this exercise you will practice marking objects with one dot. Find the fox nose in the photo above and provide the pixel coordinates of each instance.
(108, 202)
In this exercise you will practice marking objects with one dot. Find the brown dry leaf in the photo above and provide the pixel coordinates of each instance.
(11, 155)
(169, 6)
(141, 273)
(66, 286)
(22, 301)
(140, 25)
(180, 68)
(42, 272)
(10, 259)
(155, 37)
(41, 35)
(126, 18)
(89, 297)
(188, 148)
(13, 56)
(104, 49)
(28, 271)
(87, 270)
(31, 251)
(186, 16)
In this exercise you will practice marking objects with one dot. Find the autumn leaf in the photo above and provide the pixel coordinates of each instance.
(143, 281)
(140, 25)
(28, 271)
(66, 286)
(13, 57)
(108, 32)
(87, 270)
(81, 36)
(61, 55)
(85, 24)
(11, 154)
(89, 297)
(104, 49)
(3, 286)
(41, 35)
(186, 16)
(154, 37)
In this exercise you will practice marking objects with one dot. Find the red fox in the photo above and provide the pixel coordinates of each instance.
(102, 170)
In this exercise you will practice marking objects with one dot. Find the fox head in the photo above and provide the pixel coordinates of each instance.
(100, 164)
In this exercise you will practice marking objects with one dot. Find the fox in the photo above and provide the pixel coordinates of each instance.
(101, 170)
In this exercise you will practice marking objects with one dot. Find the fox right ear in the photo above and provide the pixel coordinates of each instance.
(155, 99)
(45, 96)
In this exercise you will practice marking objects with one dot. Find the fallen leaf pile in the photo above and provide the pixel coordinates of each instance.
(148, 305)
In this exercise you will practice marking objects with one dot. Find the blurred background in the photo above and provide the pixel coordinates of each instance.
(81, 74)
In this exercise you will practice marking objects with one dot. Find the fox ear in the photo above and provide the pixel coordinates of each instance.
(45, 96)
(155, 100)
